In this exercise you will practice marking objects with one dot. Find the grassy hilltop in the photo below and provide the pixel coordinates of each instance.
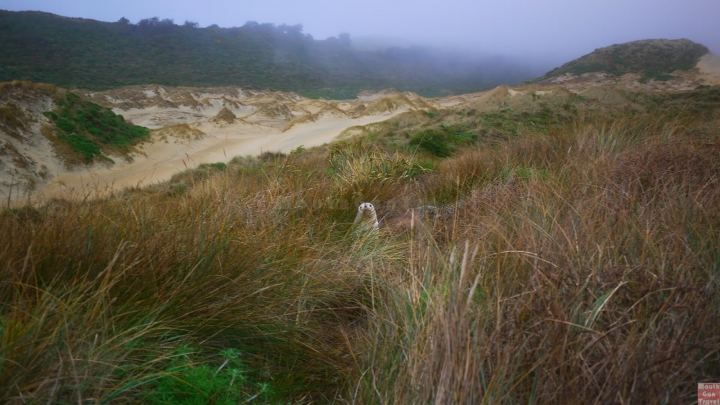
(89, 54)
(654, 58)
(572, 255)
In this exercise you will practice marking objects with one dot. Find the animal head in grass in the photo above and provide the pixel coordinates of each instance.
(366, 218)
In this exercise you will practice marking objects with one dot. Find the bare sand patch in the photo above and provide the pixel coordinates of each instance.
(709, 67)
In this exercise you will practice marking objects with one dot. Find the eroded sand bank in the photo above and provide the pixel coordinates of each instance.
(163, 159)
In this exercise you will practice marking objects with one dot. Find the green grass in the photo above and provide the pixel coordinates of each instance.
(655, 59)
(189, 379)
(83, 145)
(93, 130)
(655, 75)
(574, 261)
(442, 143)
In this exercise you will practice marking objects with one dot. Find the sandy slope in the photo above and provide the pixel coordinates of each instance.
(252, 122)
(709, 66)
(220, 145)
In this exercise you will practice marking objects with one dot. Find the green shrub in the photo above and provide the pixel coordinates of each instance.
(653, 74)
(432, 141)
(83, 145)
(51, 115)
(442, 143)
(214, 167)
(65, 125)
(88, 123)
(188, 381)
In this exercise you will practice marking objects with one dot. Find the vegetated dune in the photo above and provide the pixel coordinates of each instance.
(655, 65)
(573, 241)
(191, 126)
(27, 157)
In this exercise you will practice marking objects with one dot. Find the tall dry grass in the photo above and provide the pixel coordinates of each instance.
(97, 296)
(575, 265)
(582, 267)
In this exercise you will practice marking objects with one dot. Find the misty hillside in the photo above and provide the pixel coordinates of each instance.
(82, 53)
(654, 58)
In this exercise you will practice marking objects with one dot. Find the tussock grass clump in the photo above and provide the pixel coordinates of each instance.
(13, 117)
(577, 263)
(181, 133)
(366, 171)
(19, 87)
(595, 282)
(106, 295)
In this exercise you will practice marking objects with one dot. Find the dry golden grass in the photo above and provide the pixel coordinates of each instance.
(22, 87)
(110, 285)
(576, 265)
(181, 133)
(594, 282)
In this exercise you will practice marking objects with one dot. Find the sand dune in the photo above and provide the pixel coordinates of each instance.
(195, 126)
(166, 159)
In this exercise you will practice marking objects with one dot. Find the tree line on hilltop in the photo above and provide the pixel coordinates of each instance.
(82, 53)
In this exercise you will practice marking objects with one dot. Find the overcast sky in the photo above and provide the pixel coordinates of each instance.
(556, 30)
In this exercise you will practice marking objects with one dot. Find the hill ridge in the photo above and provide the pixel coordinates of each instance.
(95, 55)
(653, 58)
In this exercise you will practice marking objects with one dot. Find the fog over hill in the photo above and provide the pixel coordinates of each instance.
(71, 52)
(547, 32)
(49, 134)
(486, 43)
